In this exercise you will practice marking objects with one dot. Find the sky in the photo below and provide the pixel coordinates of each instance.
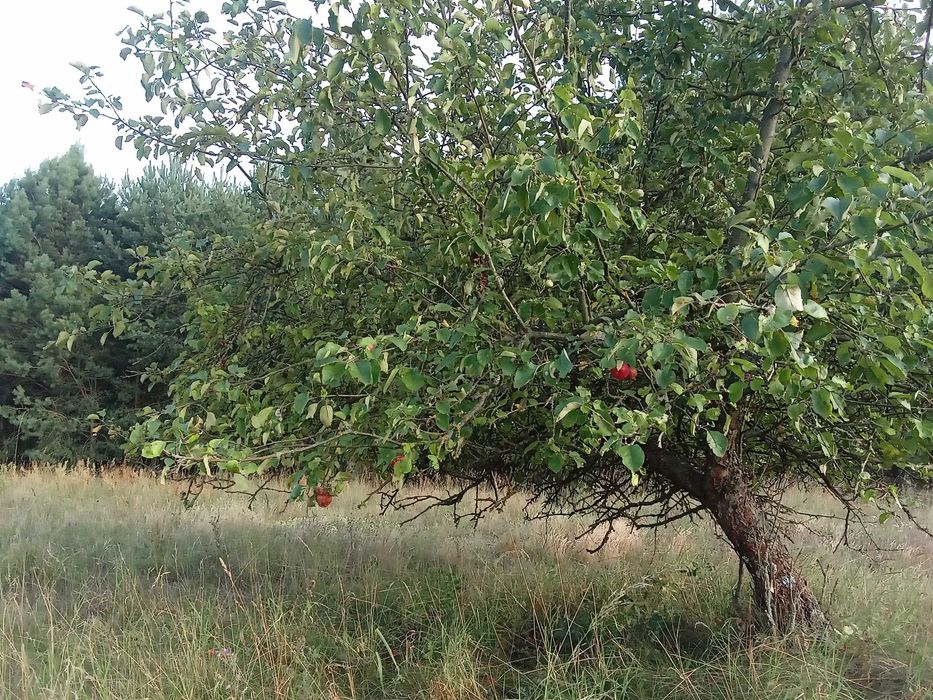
(38, 41)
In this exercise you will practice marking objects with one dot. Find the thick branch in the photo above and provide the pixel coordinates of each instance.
(767, 129)
(921, 78)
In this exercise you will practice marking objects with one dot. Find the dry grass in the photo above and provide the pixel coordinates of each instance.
(110, 588)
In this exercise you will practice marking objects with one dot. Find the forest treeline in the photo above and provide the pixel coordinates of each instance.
(61, 377)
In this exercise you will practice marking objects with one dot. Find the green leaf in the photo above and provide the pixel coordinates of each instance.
(390, 46)
(736, 390)
(565, 407)
(633, 456)
(665, 377)
(548, 165)
(776, 344)
(728, 313)
(523, 375)
(383, 122)
(638, 218)
(153, 449)
(335, 67)
(376, 79)
(781, 318)
(815, 310)
(442, 418)
(555, 462)
(837, 207)
(864, 226)
(259, 419)
(926, 276)
(362, 371)
(300, 403)
(332, 373)
(902, 175)
(788, 297)
(680, 303)
(849, 184)
(891, 342)
(304, 30)
(717, 442)
(412, 378)
(294, 48)
(822, 403)
(563, 364)
(750, 326)
(697, 344)
(593, 213)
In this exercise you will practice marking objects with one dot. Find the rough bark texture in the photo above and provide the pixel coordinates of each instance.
(781, 592)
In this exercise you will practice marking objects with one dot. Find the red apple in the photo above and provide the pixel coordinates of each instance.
(322, 497)
(624, 372)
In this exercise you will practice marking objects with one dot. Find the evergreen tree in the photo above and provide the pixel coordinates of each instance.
(59, 215)
(58, 224)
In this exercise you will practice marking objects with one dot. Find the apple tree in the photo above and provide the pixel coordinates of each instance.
(642, 260)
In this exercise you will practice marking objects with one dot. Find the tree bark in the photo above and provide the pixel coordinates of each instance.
(781, 592)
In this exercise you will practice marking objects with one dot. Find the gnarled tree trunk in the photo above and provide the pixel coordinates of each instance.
(781, 592)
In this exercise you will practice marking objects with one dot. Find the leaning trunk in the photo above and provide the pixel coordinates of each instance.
(781, 592)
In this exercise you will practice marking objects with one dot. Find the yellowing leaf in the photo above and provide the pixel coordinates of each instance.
(259, 420)
(788, 297)
(680, 303)
(153, 449)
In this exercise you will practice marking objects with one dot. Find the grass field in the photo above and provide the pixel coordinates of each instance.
(110, 588)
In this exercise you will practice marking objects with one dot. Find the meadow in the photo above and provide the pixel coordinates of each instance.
(110, 588)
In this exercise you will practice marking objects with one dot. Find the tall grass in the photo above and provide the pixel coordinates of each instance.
(110, 588)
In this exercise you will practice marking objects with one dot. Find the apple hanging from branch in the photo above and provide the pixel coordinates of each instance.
(624, 372)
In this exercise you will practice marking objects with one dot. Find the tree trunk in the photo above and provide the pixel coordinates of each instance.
(781, 592)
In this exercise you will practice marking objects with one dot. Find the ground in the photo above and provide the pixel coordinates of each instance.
(110, 588)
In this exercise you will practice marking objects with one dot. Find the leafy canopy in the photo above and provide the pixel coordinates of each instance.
(476, 210)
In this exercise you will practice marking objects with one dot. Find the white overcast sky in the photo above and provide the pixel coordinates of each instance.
(38, 40)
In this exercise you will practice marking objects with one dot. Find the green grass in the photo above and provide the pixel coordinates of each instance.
(109, 588)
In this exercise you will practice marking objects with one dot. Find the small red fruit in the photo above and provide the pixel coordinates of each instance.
(624, 372)
(322, 497)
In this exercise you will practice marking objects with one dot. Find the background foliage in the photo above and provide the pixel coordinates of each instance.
(55, 370)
